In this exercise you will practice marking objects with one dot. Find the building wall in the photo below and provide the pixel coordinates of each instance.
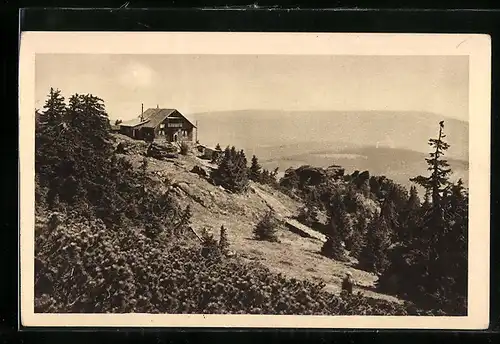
(168, 129)
(148, 134)
(171, 127)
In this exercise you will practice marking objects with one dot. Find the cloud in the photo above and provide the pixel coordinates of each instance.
(136, 75)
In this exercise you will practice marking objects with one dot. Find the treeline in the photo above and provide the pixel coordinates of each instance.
(233, 172)
(417, 248)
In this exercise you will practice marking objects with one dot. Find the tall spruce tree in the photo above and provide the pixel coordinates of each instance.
(437, 182)
(432, 265)
(433, 224)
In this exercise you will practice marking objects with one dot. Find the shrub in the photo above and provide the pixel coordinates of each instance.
(184, 148)
(266, 228)
(332, 248)
(223, 241)
(210, 247)
(97, 270)
(308, 214)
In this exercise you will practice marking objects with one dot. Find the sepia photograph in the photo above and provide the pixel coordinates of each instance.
(284, 179)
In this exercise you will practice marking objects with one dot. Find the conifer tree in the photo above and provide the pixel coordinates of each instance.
(232, 172)
(435, 258)
(255, 170)
(437, 182)
(54, 108)
(308, 214)
(410, 217)
(240, 182)
(433, 224)
(374, 255)
(332, 248)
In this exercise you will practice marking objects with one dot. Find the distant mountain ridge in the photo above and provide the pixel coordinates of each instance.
(255, 129)
(394, 144)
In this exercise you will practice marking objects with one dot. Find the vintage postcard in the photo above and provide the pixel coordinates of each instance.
(264, 180)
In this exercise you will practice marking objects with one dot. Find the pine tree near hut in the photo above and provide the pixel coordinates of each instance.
(255, 172)
(217, 155)
(232, 172)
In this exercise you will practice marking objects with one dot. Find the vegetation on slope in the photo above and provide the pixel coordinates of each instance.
(115, 242)
(418, 250)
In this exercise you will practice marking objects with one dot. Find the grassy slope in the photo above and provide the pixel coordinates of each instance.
(212, 207)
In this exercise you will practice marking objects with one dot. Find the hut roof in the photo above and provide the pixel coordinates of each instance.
(156, 116)
(133, 122)
(152, 117)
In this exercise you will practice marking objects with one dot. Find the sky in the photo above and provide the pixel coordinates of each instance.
(204, 83)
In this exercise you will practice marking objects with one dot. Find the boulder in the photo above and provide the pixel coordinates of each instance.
(199, 171)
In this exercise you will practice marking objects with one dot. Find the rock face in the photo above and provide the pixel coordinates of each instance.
(304, 231)
(161, 152)
(202, 172)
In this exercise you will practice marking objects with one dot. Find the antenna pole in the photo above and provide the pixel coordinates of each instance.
(196, 131)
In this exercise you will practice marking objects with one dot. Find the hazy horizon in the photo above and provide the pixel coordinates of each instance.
(214, 83)
(263, 110)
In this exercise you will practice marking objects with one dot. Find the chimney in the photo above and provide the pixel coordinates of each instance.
(157, 106)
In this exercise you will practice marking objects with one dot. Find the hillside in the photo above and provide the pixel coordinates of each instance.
(129, 222)
(295, 256)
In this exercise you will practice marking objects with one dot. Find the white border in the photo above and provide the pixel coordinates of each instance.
(477, 47)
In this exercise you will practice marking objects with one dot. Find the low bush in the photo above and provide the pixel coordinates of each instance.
(266, 228)
(184, 148)
(81, 266)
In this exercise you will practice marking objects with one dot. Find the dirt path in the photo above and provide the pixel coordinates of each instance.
(272, 202)
(287, 215)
